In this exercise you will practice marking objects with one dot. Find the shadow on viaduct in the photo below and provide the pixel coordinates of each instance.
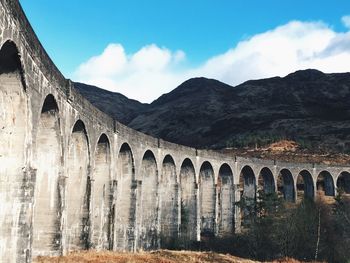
(73, 178)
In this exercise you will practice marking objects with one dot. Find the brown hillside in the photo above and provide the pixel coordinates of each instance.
(160, 256)
(290, 151)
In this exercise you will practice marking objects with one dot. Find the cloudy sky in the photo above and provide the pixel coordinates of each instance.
(143, 49)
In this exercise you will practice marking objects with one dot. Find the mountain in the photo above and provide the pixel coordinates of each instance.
(308, 106)
(186, 114)
(112, 103)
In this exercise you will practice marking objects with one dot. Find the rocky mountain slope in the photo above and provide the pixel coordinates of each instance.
(309, 107)
(115, 104)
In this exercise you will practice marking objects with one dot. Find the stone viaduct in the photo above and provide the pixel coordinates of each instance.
(73, 178)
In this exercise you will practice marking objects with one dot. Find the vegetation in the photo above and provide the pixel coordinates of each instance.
(272, 229)
(256, 139)
(263, 139)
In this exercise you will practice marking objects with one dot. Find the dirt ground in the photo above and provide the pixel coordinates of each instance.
(159, 256)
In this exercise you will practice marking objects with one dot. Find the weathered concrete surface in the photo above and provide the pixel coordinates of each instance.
(47, 157)
(169, 206)
(125, 221)
(189, 204)
(77, 182)
(225, 199)
(148, 230)
(101, 195)
(207, 199)
(13, 133)
(73, 178)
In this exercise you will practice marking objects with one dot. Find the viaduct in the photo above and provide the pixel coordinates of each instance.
(73, 178)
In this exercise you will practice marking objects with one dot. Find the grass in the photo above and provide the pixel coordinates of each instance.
(159, 256)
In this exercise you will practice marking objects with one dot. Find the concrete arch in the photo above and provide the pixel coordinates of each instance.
(78, 188)
(47, 199)
(169, 193)
(225, 213)
(13, 138)
(325, 184)
(50, 105)
(101, 195)
(126, 150)
(207, 197)
(125, 216)
(79, 126)
(187, 160)
(343, 182)
(11, 58)
(247, 182)
(148, 239)
(266, 181)
(168, 159)
(188, 212)
(247, 188)
(305, 185)
(285, 185)
(139, 160)
(103, 138)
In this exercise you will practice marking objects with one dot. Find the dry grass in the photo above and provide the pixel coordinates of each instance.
(290, 151)
(159, 256)
(282, 146)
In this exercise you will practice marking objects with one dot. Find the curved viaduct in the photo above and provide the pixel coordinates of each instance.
(73, 178)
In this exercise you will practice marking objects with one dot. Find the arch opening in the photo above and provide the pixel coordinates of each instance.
(149, 203)
(285, 185)
(169, 203)
(125, 220)
(50, 105)
(225, 201)
(14, 121)
(305, 186)
(343, 182)
(324, 184)
(102, 199)
(11, 62)
(207, 195)
(78, 189)
(47, 201)
(266, 181)
(247, 185)
(188, 223)
(247, 182)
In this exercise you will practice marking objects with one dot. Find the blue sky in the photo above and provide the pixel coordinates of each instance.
(150, 47)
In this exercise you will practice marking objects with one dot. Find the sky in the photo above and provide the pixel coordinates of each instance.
(143, 49)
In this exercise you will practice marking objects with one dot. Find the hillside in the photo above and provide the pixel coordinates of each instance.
(112, 103)
(187, 114)
(159, 256)
(309, 107)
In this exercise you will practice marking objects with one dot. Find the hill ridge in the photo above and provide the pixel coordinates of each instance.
(307, 106)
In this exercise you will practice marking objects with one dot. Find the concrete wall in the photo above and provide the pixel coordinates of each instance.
(73, 178)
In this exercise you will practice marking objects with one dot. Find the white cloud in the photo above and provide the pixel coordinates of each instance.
(152, 70)
(151, 58)
(287, 48)
(111, 62)
(143, 75)
(346, 21)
